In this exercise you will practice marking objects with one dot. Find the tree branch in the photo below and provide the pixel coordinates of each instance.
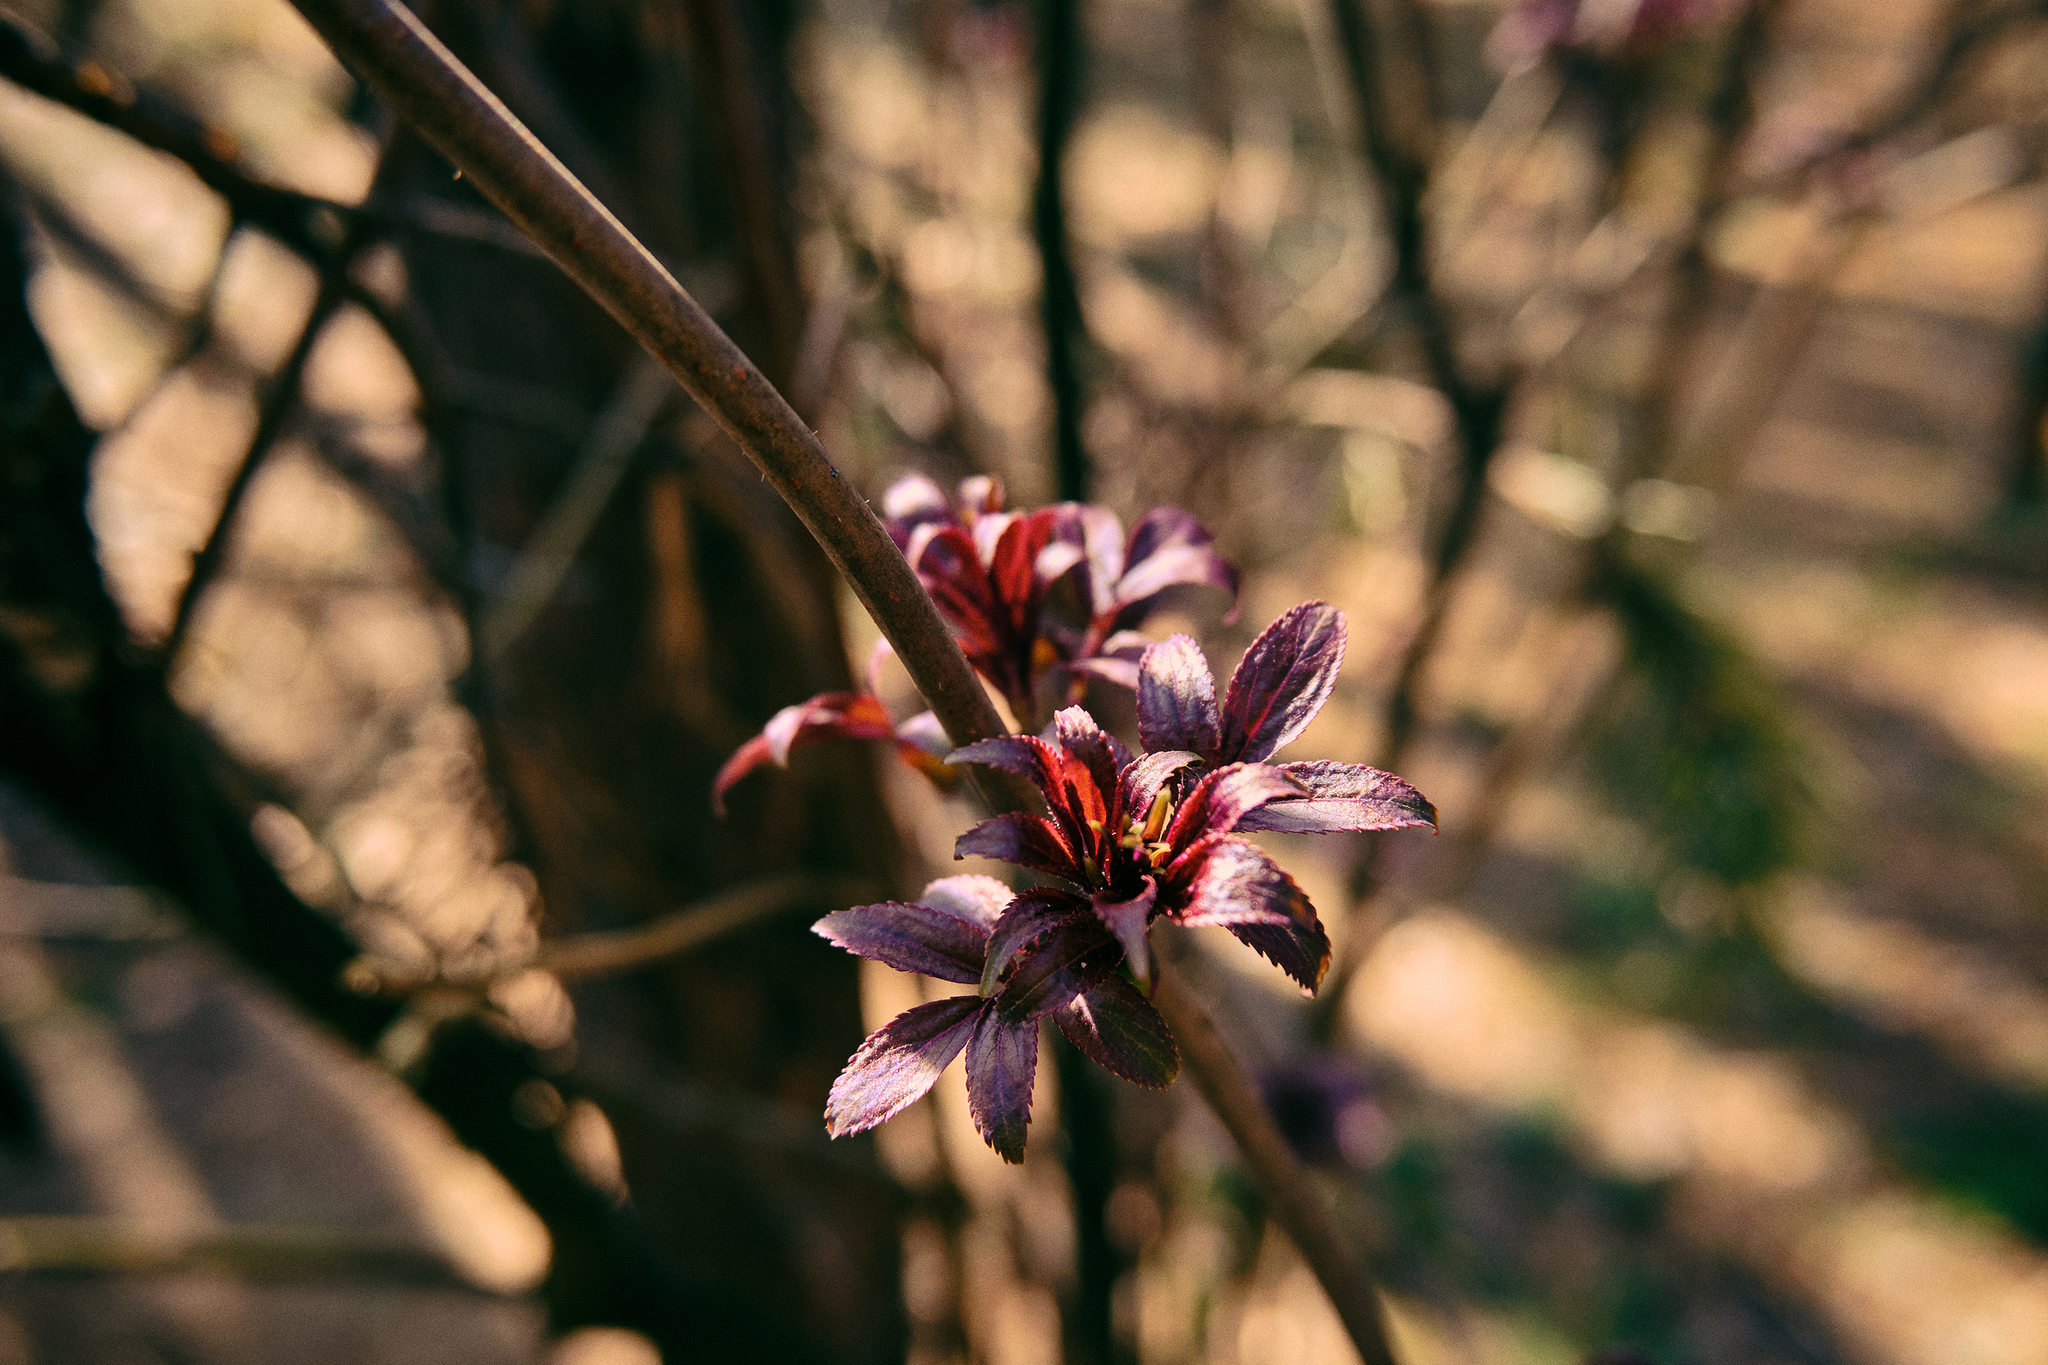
(1290, 1196)
(409, 69)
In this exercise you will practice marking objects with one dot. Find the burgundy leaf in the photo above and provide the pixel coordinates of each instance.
(1027, 840)
(1059, 557)
(1122, 672)
(1114, 659)
(1231, 882)
(1070, 956)
(1224, 797)
(1177, 698)
(987, 535)
(1128, 920)
(1282, 681)
(1227, 880)
(1163, 527)
(1002, 1060)
(829, 715)
(924, 733)
(1102, 536)
(1143, 779)
(1031, 916)
(1168, 547)
(1174, 567)
(1077, 806)
(1343, 796)
(1074, 730)
(1019, 754)
(910, 938)
(898, 1063)
(1303, 954)
(1116, 1027)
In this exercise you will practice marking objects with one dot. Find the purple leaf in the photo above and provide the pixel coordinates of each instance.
(1002, 1060)
(910, 938)
(1233, 883)
(1027, 840)
(1058, 558)
(1226, 880)
(1076, 804)
(923, 732)
(1031, 916)
(1168, 547)
(1102, 535)
(1303, 954)
(1114, 660)
(910, 502)
(1121, 672)
(1162, 527)
(1177, 698)
(1143, 779)
(1116, 1027)
(1224, 797)
(1128, 920)
(1074, 730)
(898, 1063)
(1343, 796)
(980, 495)
(1282, 681)
(1073, 954)
(829, 715)
(1019, 754)
(1174, 567)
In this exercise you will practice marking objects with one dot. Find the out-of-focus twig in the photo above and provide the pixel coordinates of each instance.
(311, 225)
(1281, 1179)
(280, 400)
(1400, 165)
(1967, 35)
(577, 957)
(52, 1244)
(747, 153)
(1059, 97)
(642, 392)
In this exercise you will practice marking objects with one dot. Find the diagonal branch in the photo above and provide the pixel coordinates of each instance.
(1282, 1180)
(280, 400)
(409, 69)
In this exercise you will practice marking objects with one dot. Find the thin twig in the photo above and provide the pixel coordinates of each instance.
(389, 49)
(54, 1244)
(1289, 1194)
(1401, 167)
(1921, 98)
(642, 392)
(578, 957)
(279, 402)
(729, 64)
(311, 225)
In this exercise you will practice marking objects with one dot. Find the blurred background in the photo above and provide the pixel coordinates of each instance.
(1656, 384)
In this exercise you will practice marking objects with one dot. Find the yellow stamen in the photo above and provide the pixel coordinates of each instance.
(1155, 819)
